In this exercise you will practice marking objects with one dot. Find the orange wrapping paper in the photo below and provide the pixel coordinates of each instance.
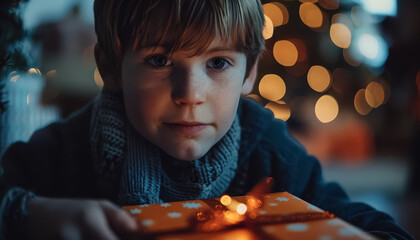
(174, 216)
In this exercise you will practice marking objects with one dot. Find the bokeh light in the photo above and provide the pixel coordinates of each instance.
(268, 29)
(329, 4)
(11, 74)
(225, 200)
(256, 97)
(374, 94)
(98, 78)
(285, 53)
(51, 74)
(277, 12)
(360, 104)
(382, 7)
(241, 209)
(372, 48)
(319, 78)
(14, 78)
(34, 71)
(369, 46)
(311, 15)
(326, 109)
(280, 110)
(340, 35)
(272, 87)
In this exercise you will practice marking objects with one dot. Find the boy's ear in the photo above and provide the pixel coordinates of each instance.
(250, 80)
(108, 70)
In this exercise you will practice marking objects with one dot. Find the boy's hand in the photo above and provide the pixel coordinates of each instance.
(77, 219)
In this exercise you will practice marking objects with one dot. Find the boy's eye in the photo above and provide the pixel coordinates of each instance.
(218, 63)
(159, 61)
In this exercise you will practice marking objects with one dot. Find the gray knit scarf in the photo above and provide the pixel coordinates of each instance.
(146, 174)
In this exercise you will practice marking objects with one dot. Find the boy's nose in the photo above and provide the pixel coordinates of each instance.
(188, 88)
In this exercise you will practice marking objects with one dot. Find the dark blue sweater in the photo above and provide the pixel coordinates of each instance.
(56, 162)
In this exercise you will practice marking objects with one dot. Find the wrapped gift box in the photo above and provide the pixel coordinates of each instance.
(170, 221)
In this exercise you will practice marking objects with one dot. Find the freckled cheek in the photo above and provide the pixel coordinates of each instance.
(226, 101)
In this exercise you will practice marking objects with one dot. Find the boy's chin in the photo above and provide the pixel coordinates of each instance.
(186, 154)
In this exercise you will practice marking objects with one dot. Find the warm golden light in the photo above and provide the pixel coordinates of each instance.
(360, 104)
(98, 78)
(329, 4)
(319, 78)
(277, 12)
(279, 109)
(272, 87)
(253, 202)
(225, 200)
(12, 73)
(350, 59)
(285, 53)
(241, 209)
(232, 217)
(268, 29)
(340, 35)
(51, 74)
(14, 78)
(256, 97)
(374, 94)
(311, 15)
(326, 109)
(34, 71)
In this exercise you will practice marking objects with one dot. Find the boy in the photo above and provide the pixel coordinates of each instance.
(168, 126)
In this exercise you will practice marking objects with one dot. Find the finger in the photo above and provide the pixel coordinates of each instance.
(118, 218)
(98, 228)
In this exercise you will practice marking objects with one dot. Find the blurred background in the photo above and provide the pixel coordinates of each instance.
(344, 75)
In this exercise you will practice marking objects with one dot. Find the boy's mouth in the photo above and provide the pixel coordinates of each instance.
(188, 128)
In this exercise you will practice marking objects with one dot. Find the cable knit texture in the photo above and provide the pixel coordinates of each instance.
(148, 175)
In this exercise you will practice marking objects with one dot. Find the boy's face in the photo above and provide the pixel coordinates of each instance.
(184, 104)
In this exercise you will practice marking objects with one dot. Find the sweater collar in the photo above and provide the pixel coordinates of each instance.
(254, 120)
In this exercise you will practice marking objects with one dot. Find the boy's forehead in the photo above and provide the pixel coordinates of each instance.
(216, 45)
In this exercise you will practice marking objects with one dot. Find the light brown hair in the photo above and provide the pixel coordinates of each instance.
(123, 25)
